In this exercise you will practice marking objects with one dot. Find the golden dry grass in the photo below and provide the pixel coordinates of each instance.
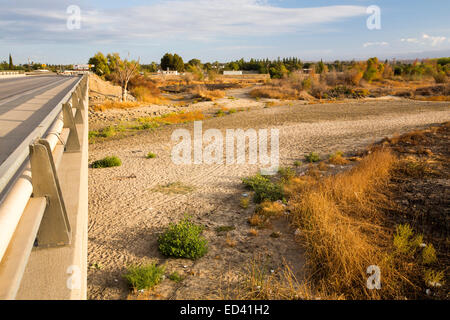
(202, 92)
(115, 105)
(181, 117)
(337, 217)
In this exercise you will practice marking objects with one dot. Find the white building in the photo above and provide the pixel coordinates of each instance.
(168, 72)
(232, 73)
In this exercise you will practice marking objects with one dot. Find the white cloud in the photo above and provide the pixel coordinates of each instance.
(426, 40)
(172, 19)
(435, 41)
(410, 40)
(370, 44)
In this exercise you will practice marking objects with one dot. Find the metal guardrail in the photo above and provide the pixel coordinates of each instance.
(32, 210)
(10, 72)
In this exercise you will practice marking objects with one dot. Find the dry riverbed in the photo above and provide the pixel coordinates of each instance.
(128, 209)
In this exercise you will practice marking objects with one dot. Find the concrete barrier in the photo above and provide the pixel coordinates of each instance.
(11, 74)
(55, 267)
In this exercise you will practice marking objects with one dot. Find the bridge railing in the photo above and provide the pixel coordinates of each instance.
(32, 206)
(10, 72)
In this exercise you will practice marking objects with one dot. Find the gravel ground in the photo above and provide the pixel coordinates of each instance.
(126, 214)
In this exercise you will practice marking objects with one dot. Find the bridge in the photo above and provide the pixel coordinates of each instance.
(43, 186)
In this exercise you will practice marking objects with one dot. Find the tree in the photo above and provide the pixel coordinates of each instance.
(124, 71)
(100, 63)
(172, 62)
(113, 61)
(11, 65)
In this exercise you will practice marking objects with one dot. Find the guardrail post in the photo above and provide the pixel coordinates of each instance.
(78, 104)
(73, 143)
(55, 227)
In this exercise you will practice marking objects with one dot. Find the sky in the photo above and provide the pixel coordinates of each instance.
(71, 31)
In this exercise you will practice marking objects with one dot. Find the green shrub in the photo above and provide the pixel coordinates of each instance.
(144, 277)
(107, 162)
(264, 188)
(176, 277)
(286, 173)
(225, 228)
(183, 240)
(429, 255)
(312, 157)
(150, 155)
(433, 278)
(297, 163)
(404, 240)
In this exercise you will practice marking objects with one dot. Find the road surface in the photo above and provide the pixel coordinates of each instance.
(24, 103)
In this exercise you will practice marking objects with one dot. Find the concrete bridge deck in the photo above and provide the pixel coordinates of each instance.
(24, 103)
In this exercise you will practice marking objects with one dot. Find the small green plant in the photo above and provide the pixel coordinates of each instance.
(174, 188)
(244, 202)
(107, 162)
(312, 157)
(150, 155)
(220, 113)
(297, 163)
(405, 242)
(144, 277)
(286, 173)
(225, 228)
(183, 240)
(433, 278)
(176, 277)
(429, 255)
(264, 188)
(231, 111)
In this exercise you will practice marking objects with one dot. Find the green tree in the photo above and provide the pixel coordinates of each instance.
(172, 62)
(100, 64)
(11, 65)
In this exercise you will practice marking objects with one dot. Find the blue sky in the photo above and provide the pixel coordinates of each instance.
(223, 29)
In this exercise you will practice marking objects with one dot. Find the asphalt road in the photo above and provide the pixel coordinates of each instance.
(24, 103)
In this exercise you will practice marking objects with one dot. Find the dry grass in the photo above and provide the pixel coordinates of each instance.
(174, 188)
(181, 117)
(144, 95)
(338, 159)
(257, 282)
(230, 242)
(115, 105)
(337, 217)
(282, 93)
(201, 92)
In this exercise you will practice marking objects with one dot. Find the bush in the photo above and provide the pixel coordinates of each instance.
(312, 157)
(264, 188)
(150, 155)
(440, 77)
(404, 240)
(107, 162)
(176, 277)
(183, 240)
(429, 255)
(144, 277)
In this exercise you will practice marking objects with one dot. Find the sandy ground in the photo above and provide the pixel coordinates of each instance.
(126, 215)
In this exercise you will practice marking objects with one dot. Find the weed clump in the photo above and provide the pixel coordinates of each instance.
(312, 157)
(150, 155)
(183, 240)
(264, 188)
(144, 277)
(107, 162)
